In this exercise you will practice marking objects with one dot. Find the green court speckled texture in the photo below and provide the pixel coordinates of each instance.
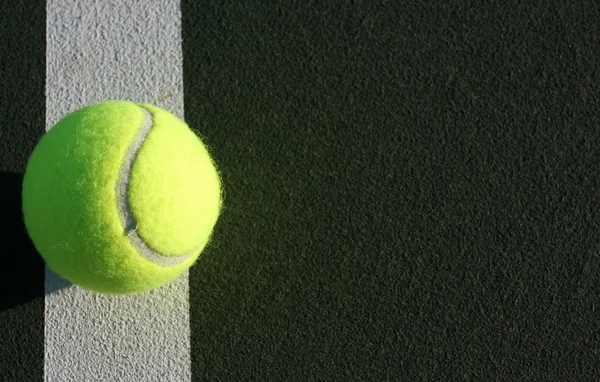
(412, 189)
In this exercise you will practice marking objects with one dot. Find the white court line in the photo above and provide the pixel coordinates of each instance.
(99, 50)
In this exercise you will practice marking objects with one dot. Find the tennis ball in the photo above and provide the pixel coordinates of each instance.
(120, 197)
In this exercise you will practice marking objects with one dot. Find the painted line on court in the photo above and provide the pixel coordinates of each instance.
(96, 51)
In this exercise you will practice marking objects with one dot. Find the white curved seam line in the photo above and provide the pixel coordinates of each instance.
(127, 219)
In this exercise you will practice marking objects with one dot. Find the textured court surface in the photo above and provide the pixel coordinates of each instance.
(411, 192)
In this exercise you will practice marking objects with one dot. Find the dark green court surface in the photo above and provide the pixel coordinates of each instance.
(412, 190)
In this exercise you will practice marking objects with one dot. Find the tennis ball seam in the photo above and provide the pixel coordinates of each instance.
(128, 221)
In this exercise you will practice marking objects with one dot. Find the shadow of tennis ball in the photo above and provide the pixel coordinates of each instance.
(21, 267)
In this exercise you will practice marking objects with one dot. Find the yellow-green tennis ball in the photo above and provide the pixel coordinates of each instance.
(120, 197)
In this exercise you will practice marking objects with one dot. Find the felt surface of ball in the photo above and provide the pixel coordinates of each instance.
(120, 197)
